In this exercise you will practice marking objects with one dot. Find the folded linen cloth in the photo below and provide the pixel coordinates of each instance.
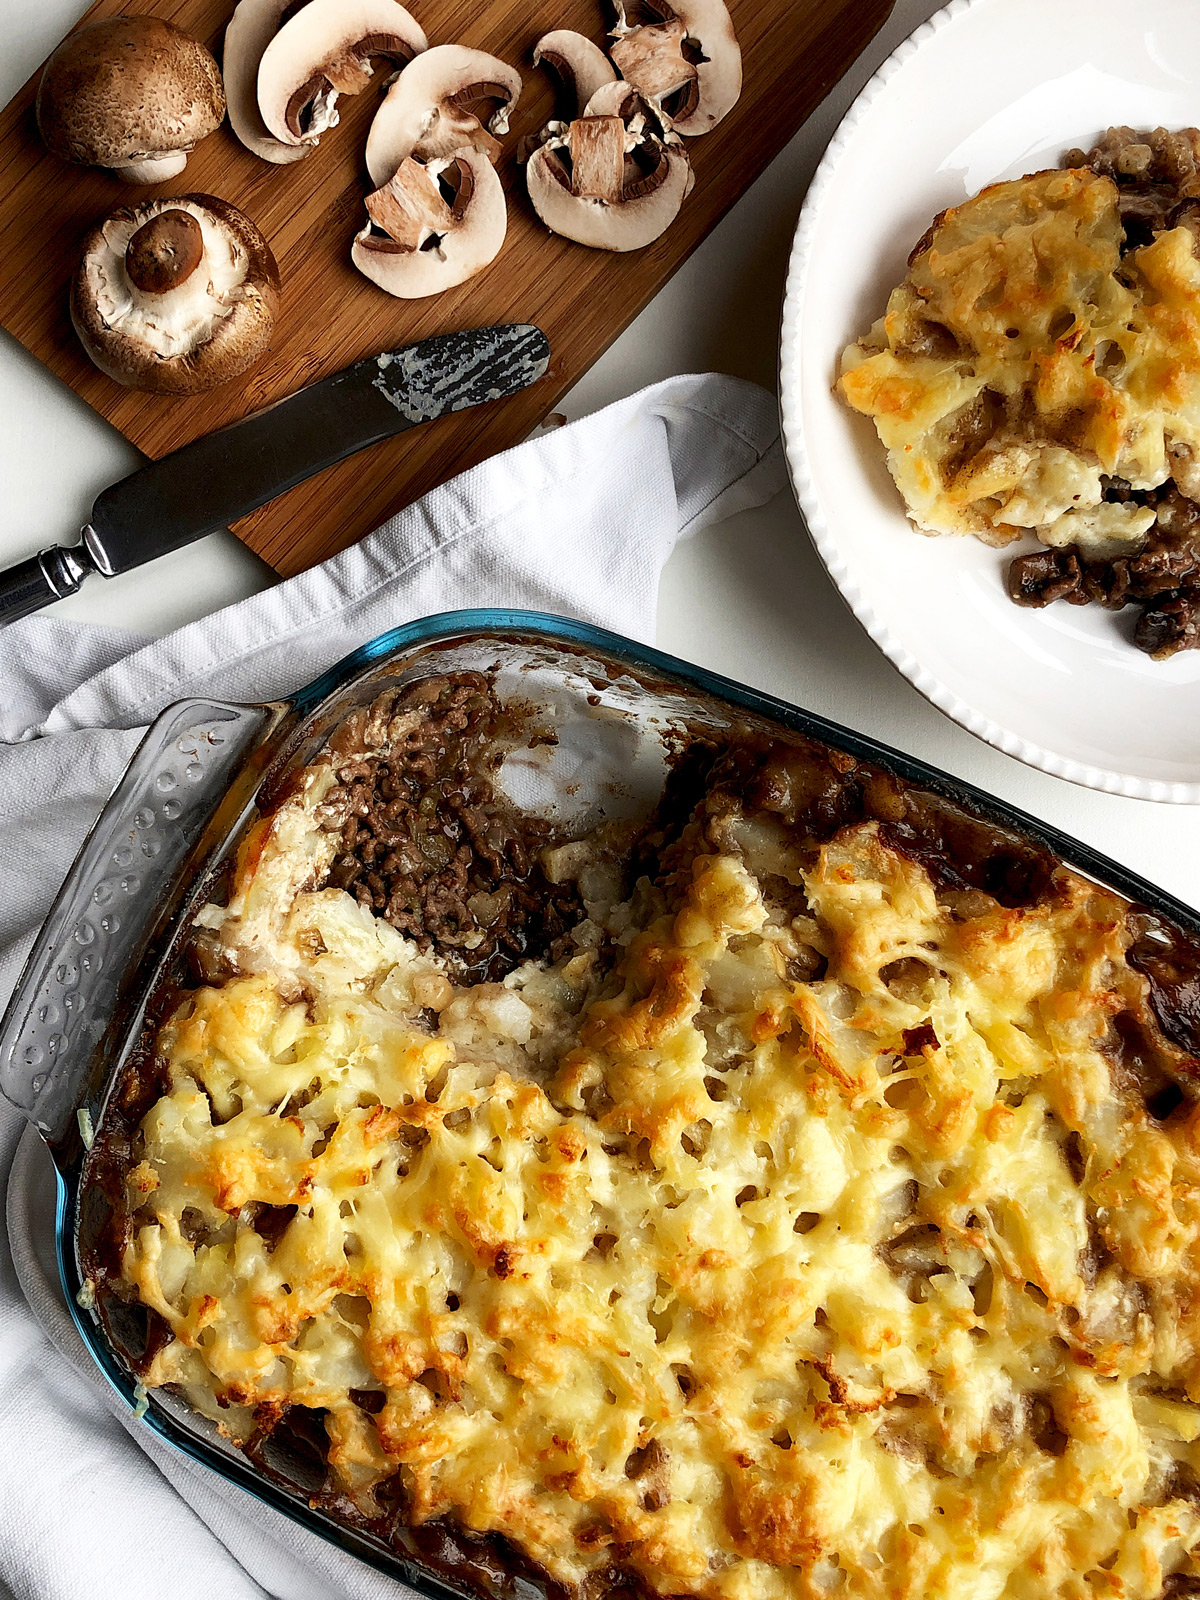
(578, 522)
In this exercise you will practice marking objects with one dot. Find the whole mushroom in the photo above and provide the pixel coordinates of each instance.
(175, 295)
(136, 94)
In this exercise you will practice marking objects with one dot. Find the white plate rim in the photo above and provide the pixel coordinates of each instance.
(795, 452)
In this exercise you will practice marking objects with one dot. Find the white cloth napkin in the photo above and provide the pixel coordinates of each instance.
(579, 522)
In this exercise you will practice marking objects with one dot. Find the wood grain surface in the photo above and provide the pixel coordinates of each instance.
(793, 53)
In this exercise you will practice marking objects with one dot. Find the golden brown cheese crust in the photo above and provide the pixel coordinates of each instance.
(876, 1281)
(1024, 358)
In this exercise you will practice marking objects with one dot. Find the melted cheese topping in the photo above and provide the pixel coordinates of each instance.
(874, 1282)
(1022, 358)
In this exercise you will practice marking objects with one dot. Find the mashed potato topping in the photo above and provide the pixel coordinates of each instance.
(813, 1225)
(1037, 372)
(1028, 356)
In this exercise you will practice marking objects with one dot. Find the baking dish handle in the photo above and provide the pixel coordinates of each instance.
(188, 784)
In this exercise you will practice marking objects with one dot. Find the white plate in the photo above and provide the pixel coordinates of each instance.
(986, 89)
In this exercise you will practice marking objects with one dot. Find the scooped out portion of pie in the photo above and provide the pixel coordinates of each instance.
(1038, 372)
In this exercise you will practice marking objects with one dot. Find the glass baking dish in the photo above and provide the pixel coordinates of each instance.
(121, 917)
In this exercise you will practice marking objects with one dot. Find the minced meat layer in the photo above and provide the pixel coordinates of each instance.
(425, 843)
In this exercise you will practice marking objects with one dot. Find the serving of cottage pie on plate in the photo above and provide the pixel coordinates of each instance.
(1038, 371)
(992, 334)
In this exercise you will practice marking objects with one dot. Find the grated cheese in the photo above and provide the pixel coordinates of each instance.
(881, 1283)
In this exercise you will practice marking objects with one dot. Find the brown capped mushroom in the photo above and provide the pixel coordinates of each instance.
(421, 239)
(175, 295)
(580, 66)
(608, 181)
(324, 50)
(687, 66)
(424, 112)
(253, 25)
(136, 94)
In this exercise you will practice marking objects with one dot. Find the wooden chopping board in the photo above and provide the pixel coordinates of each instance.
(793, 52)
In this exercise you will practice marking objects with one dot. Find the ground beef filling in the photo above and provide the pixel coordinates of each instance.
(1157, 176)
(1163, 577)
(1158, 183)
(427, 844)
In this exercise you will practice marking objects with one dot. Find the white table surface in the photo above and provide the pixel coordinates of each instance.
(748, 599)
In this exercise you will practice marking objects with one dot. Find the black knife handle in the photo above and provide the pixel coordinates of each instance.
(35, 583)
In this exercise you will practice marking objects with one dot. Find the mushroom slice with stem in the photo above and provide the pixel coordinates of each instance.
(424, 113)
(324, 50)
(136, 94)
(422, 239)
(251, 28)
(580, 66)
(656, 58)
(608, 182)
(175, 295)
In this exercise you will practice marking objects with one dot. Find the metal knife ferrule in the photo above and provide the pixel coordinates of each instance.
(37, 581)
(96, 552)
(65, 569)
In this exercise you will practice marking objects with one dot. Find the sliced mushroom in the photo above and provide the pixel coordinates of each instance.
(420, 240)
(326, 49)
(252, 26)
(136, 94)
(580, 66)
(175, 295)
(424, 112)
(609, 182)
(687, 66)
(618, 99)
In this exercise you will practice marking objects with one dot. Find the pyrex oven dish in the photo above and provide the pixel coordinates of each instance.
(118, 924)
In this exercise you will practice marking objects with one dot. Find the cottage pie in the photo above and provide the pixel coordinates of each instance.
(1038, 372)
(798, 1197)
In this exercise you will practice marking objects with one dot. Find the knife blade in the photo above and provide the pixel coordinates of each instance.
(222, 476)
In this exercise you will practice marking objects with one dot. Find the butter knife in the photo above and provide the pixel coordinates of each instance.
(224, 475)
